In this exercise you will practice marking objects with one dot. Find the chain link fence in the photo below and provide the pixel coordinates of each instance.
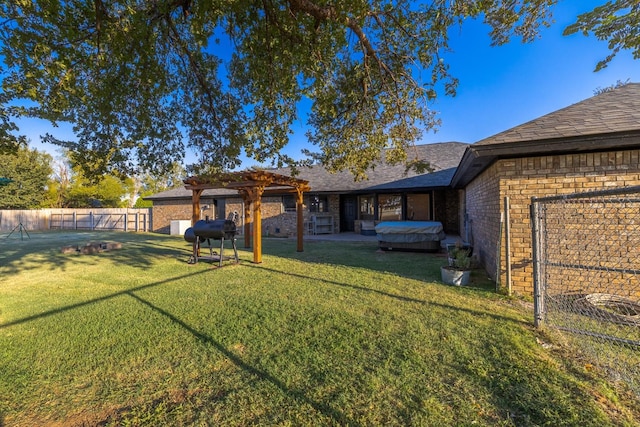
(586, 250)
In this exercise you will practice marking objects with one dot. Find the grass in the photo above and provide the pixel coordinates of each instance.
(336, 335)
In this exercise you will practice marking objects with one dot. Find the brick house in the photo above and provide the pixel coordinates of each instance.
(593, 144)
(337, 203)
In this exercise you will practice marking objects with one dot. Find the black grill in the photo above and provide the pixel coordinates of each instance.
(218, 229)
(207, 230)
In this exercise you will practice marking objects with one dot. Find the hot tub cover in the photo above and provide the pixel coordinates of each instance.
(410, 231)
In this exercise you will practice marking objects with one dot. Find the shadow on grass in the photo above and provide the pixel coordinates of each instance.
(297, 395)
(401, 298)
(141, 250)
(418, 265)
(44, 250)
(97, 300)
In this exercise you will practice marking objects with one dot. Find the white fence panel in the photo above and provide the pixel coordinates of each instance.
(122, 219)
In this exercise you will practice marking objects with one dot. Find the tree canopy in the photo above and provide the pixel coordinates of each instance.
(108, 192)
(69, 188)
(617, 22)
(9, 143)
(142, 80)
(28, 174)
(149, 184)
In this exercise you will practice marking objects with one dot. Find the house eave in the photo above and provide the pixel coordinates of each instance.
(478, 158)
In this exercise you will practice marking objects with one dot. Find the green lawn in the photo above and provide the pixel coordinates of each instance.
(337, 335)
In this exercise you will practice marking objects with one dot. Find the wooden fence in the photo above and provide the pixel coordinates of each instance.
(117, 219)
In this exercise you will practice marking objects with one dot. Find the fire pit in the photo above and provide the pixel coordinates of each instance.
(91, 248)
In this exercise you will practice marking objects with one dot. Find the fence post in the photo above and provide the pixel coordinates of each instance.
(538, 291)
(499, 252)
(507, 244)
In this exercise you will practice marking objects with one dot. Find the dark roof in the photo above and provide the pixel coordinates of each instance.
(614, 111)
(610, 120)
(443, 157)
(441, 178)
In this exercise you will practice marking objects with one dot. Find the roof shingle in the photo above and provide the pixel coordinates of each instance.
(617, 110)
(443, 157)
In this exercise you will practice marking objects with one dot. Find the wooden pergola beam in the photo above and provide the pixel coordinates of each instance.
(252, 185)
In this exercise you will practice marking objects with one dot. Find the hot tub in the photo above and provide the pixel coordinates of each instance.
(414, 235)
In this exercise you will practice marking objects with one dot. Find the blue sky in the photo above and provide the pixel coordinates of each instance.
(500, 87)
(505, 86)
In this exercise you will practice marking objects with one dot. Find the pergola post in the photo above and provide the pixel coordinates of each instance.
(251, 185)
(247, 219)
(195, 205)
(256, 204)
(300, 219)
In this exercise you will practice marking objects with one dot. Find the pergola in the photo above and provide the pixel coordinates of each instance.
(251, 186)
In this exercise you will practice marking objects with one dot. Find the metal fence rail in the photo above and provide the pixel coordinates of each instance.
(586, 249)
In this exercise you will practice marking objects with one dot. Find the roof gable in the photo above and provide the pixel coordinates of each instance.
(613, 111)
(608, 121)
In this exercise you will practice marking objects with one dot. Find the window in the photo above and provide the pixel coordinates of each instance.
(318, 203)
(390, 207)
(289, 203)
(367, 207)
(419, 207)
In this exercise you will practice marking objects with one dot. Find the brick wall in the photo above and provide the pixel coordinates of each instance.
(333, 200)
(165, 211)
(521, 179)
(275, 221)
(233, 205)
(482, 201)
(599, 233)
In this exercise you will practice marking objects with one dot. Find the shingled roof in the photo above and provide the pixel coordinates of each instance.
(614, 111)
(443, 157)
(608, 121)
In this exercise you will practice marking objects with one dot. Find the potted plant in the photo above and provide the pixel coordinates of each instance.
(458, 270)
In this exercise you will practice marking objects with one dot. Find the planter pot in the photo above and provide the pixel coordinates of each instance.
(455, 277)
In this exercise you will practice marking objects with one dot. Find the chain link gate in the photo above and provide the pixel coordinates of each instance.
(586, 257)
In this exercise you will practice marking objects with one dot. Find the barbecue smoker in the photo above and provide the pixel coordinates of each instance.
(207, 230)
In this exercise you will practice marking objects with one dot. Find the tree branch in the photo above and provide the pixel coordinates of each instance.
(202, 81)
